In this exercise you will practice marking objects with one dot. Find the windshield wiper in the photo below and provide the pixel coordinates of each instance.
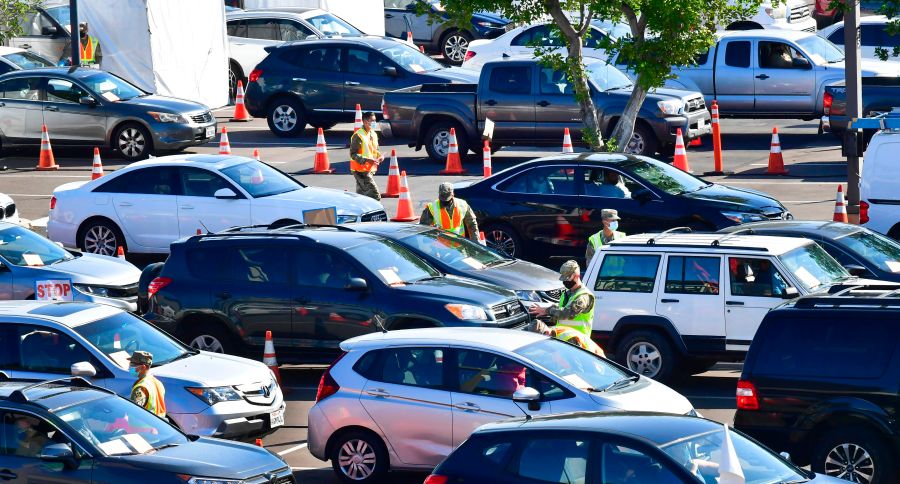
(617, 383)
(165, 446)
(499, 262)
(427, 278)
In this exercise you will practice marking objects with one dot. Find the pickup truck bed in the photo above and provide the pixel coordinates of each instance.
(879, 95)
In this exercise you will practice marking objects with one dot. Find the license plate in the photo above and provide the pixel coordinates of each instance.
(210, 131)
(276, 418)
(701, 123)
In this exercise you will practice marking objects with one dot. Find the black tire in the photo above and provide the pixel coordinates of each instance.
(504, 239)
(325, 125)
(207, 336)
(372, 456)
(234, 74)
(667, 151)
(894, 233)
(437, 140)
(643, 141)
(101, 236)
(698, 366)
(654, 355)
(286, 117)
(454, 45)
(829, 451)
(133, 142)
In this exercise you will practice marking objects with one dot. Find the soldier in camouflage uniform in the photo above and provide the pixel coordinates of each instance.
(576, 305)
(147, 392)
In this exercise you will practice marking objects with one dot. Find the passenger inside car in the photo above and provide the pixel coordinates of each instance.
(605, 183)
(29, 437)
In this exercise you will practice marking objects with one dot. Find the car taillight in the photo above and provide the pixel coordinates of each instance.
(384, 110)
(327, 385)
(157, 284)
(826, 102)
(747, 398)
(52, 203)
(863, 212)
(436, 479)
(254, 75)
(469, 55)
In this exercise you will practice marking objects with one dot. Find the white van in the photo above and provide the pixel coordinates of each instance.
(879, 185)
(786, 14)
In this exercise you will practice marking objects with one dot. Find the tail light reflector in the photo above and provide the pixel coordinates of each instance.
(747, 397)
(863, 212)
(254, 75)
(327, 385)
(52, 203)
(157, 284)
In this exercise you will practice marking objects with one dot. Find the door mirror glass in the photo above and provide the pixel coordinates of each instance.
(83, 369)
(49, 31)
(642, 195)
(790, 293)
(357, 283)
(800, 63)
(59, 453)
(526, 394)
(856, 270)
(225, 193)
(87, 101)
(390, 71)
(785, 456)
(411, 6)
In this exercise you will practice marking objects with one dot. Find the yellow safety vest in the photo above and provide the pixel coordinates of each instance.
(156, 395)
(450, 222)
(596, 240)
(577, 338)
(368, 149)
(88, 52)
(583, 322)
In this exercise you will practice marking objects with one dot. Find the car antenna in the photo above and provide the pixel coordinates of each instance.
(205, 227)
(379, 322)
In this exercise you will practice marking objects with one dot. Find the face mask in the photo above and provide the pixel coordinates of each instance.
(374, 126)
(569, 284)
(133, 371)
(614, 225)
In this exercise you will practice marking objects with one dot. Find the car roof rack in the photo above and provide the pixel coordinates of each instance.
(19, 396)
(845, 297)
(889, 120)
(238, 230)
(666, 233)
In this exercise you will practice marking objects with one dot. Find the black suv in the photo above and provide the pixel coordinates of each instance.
(821, 381)
(313, 287)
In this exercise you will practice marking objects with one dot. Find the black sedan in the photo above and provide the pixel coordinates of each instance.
(546, 209)
(862, 252)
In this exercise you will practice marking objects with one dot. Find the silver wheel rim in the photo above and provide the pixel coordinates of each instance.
(644, 358)
(637, 145)
(284, 118)
(205, 342)
(100, 240)
(850, 462)
(357, 459)
(455, 47)
(441, 143)
(132, 142)
(501, 242)
(232, 85)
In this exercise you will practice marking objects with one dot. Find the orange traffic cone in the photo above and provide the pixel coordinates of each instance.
(97, 167)
(117, 342)
(259, 443)
(840, 208)
(695, 142)
(256, 154)
(487, 158)
(454, 165)
(405, 206)
(269, 357)
(422, 49)
(321, 165)
(718, 169)
(120, 252)
(567, 142)
(776, 161)
(481, 239)
(46, 162)
(357, 121)
(680, 161)
(240, 111)
(409, 38)
(393, 184)
(224, 145)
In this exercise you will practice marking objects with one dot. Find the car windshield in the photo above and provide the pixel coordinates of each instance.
(457, 252)
(606, 77)
(111, 87)
(22, 247)
(28, 60)
(813, 267)
(616, 30)
(63, 15)
(664, 176)
(118, 427)
(702, 454)
(392, 263)
(260, 179)
(121, 335)
(580, 368)
(410, 58)
(873, 247)
(328, 24)
(821, 50)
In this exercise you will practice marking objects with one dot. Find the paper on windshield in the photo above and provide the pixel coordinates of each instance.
(120, 358)
(109, 96)
(577, 381)
(114, 447)
(390, 276)
(893, 265)
(473, 263)
(416, 68)
(806, 277)
(137, 443)
(32, 259)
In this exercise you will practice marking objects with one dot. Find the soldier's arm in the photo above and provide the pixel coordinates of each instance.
(140, 396)
(425, 219)
(355, 144)
(578, 306)
(471, 225)
(588, 253)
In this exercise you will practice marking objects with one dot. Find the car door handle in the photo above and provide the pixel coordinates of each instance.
(762, 76)
(51, 108)
(224, 295)
(125, 204)
(7, 474)
(669, 300)
(491, 102)
(543, 104)
(187, 207)
(734, 303)
(387, 15)
(378, 392)
(2, 104)
(26, 46)
(468, 406)
(299, 79)
(351, 83)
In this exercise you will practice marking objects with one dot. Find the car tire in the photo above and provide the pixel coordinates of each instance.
(503, 239)
(101, 237)
(454, 45)
(437, 140)
(133, 142)
(359, 457)
(643, 141)
(649, 354)
(325, 125)
(864, 448)
(234, 74)
(698, 366)
(208, 336)
(286, 117)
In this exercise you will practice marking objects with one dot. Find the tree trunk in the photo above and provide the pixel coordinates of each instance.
(625, 126)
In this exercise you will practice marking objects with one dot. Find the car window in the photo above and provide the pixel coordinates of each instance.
(577, 366)
(627, 273)
(755, 278)
(289, 30)
(262, 28)
(321, 59)
(21, 89)
(882, 251)
(47, 350)
(22, 247)
(737, 54)
(692, 275)
(837, 37)
(315, 268)
(63, 91)
(554, 460)
(206, 262)
(554, 82)
(261, 180)
(196, 182)
(607, 183)
(329, 24)
(262, 265)
(119, 336)
(420, 367)
(623, 464)
(870, 35)
(548, 180)
(4, 68)
(9, 346)
(112, 88)
(813, 267)
(34, 23)
(663, 176)
(28, 60)
(607, 77)
(595, 39)
(237, 28)
(361, 61)
(778, 55)
(484, 373)
(511, 80)
(156, 180)
(457, 252)
(702, 57)
(25, 435)
(535, 36)
(392, 263)
(887, 39)
(409, 58)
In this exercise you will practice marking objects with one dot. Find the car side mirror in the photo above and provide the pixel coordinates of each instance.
(790, 293)
(59, 453)
(225, 194)
(83, 369)
(412, 7)
(856, 270)
(357, 284)
(49, 30)
(87, 101)
(800, 63)
(390, 71)
(785, 456)
(642, 195)
(528, 395)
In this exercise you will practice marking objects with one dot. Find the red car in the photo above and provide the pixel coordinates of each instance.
(825, 17)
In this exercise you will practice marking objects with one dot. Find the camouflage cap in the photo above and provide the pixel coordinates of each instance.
(609, 214)
(141, 358)
(568, 270)
(445, 191)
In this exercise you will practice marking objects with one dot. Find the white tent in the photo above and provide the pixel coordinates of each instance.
(366, 15)
(170, 47)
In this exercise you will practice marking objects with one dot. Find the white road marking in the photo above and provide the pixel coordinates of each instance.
(293, 449)
(308, 468)
(265, 143)
(27, 195)
(816, 163)
(41, 222)
(45, 176)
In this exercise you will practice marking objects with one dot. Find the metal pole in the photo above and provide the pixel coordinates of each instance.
(854, 103)
(76, 37)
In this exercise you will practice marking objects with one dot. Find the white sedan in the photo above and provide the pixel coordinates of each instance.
(148, 205)
(872, 34)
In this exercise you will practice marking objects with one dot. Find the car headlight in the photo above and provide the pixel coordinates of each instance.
(528, 296)
(776, 12)
(490, 25)
(214, 395)
(208, 480)
(92, 290)
(467, 312)
(671, 107)
(167, 117)
(742, 218)
(346, 219)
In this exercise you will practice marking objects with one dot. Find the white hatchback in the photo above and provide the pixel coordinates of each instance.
(150, 204)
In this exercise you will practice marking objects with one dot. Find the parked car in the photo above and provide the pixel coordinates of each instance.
(878, 205)
(831, 400)
(90, 435)
(321, 82)
(312, 287)
(251, 31)
(791, 15)
(873, 33)
(87, 107)
(676, 303)
(8, 211)
(445, 38)
(547, 208)
(825, 15)
(406, 399)
(748, 77)
(879, 95)
(862, 252)
(45, 30)
(150, 204)
(14, 59)
(206, 394)
(531, 105)
(27, 258)
(593, 447)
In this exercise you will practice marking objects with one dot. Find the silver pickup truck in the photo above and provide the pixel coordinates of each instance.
(770, 73)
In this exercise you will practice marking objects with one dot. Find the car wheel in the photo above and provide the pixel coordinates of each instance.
(504, 240)
(437, 140)
(325, 125)
(359, 457)
(454, 46)
(648, 354)
(209, 337)
(698, 366)
(286, 117)
(855, 454)
(234, 73)
(101, 237)
(133, 142)
(643, 141)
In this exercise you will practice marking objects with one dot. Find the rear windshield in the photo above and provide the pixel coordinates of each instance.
(884, 252)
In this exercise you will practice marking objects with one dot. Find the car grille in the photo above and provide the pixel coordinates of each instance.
(510, 314)
(9, 211)
(553, 294)
(259, 393)
(695, 104)
(379, 216)
(810, 29)
(202, 118)
(798, 14)
(281, 476)
(123, 291)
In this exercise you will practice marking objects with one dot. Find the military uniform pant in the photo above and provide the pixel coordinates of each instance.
(365, 184)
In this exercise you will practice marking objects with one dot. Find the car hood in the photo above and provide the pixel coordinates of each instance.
(868, 68)
(453, 74)
(490, 17)
(742, 199)
(169, 104)
(213, 369)
(664, 93)
(645, 395)
(317, 197)
(519, 275)
(91, 269)
(212, 458)
(458, 289)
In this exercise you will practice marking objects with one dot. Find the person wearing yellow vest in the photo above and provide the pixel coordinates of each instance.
(569, 335)
(365, 157)
(147, 392)
(90, 47)
(610, 220)
(576, 305)
(450, 213)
